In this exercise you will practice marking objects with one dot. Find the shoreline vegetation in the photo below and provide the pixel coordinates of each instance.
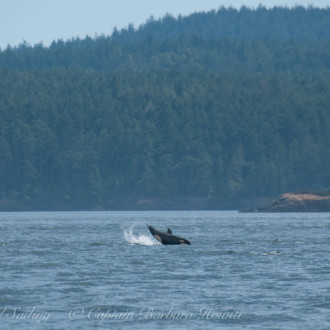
(132, 203)
(302, 201)
(214, 111)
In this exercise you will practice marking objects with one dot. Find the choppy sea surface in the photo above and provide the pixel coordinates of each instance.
(104, 270)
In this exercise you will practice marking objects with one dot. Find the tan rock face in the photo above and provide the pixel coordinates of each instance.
(308, 202)
(305, 197)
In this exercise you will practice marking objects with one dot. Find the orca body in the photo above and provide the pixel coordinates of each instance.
(167, 238)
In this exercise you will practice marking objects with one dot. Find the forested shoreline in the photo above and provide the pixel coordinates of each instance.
(200, 111)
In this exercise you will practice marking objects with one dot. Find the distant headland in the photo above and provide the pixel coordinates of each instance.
(304, 201)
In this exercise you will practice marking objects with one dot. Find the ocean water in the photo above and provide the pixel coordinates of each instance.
(104, 270)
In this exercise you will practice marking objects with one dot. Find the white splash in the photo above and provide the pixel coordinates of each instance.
(140, 239)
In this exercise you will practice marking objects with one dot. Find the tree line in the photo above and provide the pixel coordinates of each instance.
(106, 122)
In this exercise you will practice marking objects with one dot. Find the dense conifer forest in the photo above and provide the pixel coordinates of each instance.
(204, 111)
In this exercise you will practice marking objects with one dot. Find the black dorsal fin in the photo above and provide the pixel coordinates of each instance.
(169, 231)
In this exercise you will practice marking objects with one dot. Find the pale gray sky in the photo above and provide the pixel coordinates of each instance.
(46, 20)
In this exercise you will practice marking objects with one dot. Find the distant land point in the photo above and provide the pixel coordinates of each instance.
(298, 202)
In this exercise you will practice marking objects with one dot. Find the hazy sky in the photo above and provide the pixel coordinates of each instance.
(46, 20)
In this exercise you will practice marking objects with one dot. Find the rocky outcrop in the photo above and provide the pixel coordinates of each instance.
(300, 202)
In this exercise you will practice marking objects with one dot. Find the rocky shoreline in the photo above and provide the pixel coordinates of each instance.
(297, 202)
(288, 202)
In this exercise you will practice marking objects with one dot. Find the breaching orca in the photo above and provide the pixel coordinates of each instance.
(167, 238)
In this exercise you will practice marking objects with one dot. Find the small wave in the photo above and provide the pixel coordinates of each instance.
(140, 239)
(276, 240)
(271, 253)
(95, 244)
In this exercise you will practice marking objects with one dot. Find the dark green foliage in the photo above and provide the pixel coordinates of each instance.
(211, 106)
(279, 39)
